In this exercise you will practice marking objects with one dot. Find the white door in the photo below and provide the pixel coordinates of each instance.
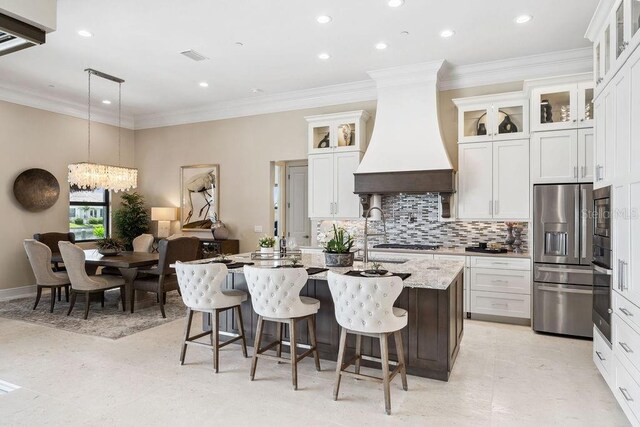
(475, 181)
(598, 142)
(554, 157)
(605, 152)
(511, 179)
(321, 186)
(560, 105)
(634, 83)
(347, 204)
(298, 223)
(585, 104)
(585, 155)
(631, 269)
(621, 147)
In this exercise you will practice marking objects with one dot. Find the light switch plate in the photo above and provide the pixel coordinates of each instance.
(257, 228)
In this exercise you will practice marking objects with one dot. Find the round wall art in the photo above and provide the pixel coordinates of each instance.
(36, 189)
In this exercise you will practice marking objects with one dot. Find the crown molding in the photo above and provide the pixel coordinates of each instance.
(599, 19)
(57, 105)
(565, 62)
(364, 90)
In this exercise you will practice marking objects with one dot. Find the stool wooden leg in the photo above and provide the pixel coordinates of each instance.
(73, 301)
(256, 347)
(279, 327)
(54, 292)
(59, 291)
(102, 299)
(343, 341)
(66, 292)
(187, 328)
(87, 299)
(215, 338)
(400, 350)
(384, 355)
(312, 337)
(241, 326)
(358, 352)
(294, 353)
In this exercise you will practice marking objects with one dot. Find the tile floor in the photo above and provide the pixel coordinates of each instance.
(505, 375)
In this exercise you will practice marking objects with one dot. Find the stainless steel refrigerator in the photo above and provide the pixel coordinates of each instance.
(562, 248)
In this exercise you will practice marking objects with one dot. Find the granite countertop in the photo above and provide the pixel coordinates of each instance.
(440, 251)
(427, 274)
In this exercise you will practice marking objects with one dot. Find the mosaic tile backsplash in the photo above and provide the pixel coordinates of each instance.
(414, 219)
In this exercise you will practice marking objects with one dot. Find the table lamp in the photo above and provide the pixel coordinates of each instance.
(164, 216)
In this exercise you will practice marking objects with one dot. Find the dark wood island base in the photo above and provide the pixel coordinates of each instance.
(431, 339)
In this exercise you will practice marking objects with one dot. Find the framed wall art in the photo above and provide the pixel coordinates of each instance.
(199, 196)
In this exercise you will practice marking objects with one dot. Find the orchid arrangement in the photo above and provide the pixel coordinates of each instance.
(341, 243)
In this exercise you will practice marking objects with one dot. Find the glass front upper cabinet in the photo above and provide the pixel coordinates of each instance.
(492, 117)
(340, 131)
(635, 17)
(607, 50)
(321, 137)
(620, 44)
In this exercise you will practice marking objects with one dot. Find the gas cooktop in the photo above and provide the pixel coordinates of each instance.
(412, 247)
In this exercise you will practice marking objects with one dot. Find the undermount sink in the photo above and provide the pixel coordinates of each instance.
(384, 261)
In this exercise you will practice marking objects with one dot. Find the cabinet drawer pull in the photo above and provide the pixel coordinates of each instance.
(600, 356)
(626, 312)
(500, 304)
(626, 394)
(625, 347)
(499, 281)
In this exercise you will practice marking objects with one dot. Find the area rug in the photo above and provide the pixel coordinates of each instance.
(108, 322)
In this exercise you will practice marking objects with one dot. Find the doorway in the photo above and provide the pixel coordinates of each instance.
(290, 201)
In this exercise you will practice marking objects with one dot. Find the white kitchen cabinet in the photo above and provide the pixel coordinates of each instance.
(605, 135)
(337, 132)
(493, 180)
(554, 157)
(475, 181)
(622, 122)
(586, 139)
(633, 71)
(493, 117)
(602, 355)
(563, 106)
(511, 179)
(331, 185)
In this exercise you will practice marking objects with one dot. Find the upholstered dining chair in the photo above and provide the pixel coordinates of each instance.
(82, 283)
(201, 288)
(40, 259)
(162, 279)
(364, 306)
(275, 295)
(51, 239)
(143, 243)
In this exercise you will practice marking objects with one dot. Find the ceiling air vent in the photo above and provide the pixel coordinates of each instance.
(16, 35)
(192, 54)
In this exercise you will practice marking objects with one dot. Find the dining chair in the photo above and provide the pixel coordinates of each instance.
(143, 243)
(82, 283)
(275, 295)
(201, 286)
(162, 279)
(364, 307)
(51, 239)
(39, 256)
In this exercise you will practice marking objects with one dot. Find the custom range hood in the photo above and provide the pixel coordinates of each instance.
(406, 153)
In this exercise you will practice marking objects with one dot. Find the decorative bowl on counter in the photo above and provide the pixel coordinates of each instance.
(378, 272)
(109, 251)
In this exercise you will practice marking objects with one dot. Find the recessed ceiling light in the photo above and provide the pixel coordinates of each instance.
(256, 90)
(381, 46)
(445, 34)
(324, 56)
(395, 3)
(324, 19)
(239, 44)
(523, 19)
(204, 84)
(84, 33)
(106, 101)
(404, 33)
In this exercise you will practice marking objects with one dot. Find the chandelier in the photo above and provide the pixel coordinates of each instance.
(89, 176)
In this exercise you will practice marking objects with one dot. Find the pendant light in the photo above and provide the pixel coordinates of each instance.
(89, 176)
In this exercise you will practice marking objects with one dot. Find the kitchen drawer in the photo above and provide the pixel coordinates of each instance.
(501, 304)
(627, 311)
(602, 356)
(626, 390)
(626, 342)
(494, 280)
(501, 263)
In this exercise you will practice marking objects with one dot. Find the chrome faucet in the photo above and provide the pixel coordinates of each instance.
(365, 252)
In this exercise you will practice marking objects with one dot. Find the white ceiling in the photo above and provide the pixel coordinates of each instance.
(140, 42)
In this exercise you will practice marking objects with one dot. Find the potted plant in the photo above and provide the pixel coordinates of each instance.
(109, 246)
(131, 219)
(266, 244)
(337, 251)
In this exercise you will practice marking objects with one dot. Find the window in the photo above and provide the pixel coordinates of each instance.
(89, 213)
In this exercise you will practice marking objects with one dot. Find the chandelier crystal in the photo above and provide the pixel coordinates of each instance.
(89, 176)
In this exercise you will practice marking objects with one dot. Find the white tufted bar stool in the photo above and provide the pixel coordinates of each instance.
(364, 306)
(201, 289)
(275, 295)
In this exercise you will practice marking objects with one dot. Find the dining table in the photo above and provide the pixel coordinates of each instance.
(127, 263)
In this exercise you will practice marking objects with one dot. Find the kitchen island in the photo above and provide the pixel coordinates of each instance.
(432, 295)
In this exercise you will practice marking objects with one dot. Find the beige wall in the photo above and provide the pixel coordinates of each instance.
(32, 138)
(243, 147)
